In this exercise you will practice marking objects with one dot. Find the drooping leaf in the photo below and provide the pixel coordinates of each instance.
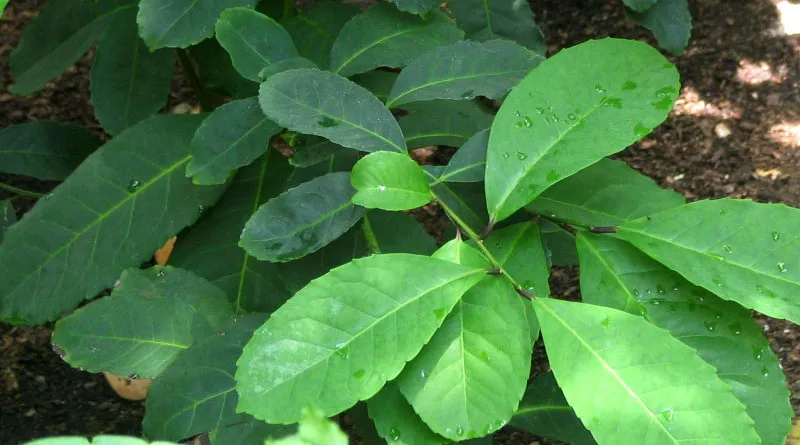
(302, 220)
(443, 122)
(545, 412)
(128, 82)
(396, 232)
(217, 71)
(396, 420)
(314, 429)
(639, 5)
(210, 247)
(234, 135)
(615, 274)
(469, 162)
(253, 40)
(59, 35)
(249, 432)
(8, 216)
(151, 317)
(377, 82)
(316, 28)
(420, 7)
(466, 200)
(126, 199)
(327, 105)
(559, 243)
(540, 133)
(656, 390)
(738, 249)
(608, 193)
(340, 338)
(45, 150)
(509, 19)
(181, 23)
(384, 36)
(389, 181)
(463, 70)
(467, 381)
(670, 21)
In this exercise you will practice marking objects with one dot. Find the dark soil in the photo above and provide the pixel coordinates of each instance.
(736, 72)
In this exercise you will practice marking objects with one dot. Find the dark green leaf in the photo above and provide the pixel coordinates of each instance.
(670, 21)
(510, 19)
(384, 36)
(389, 181)
(396, 420)
(363, 425)
(639, 5)
(217, 71)
(469, 162)
(292, 63)
(45, 150)
(340, 161)
(520, 252)
(315, 29)
(112, 213)
(396, 232)
(443, 122)
(377, 82)
(8, 216)
(312, 150)
(466, 200)
(560, 244)
(421, 7)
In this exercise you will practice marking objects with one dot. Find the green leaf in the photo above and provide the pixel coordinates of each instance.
(396, 420)
(181, 23)
(339, 339)
(311, 150)
(124, 201)
(314, 429)
(248, 432)
(196, 392)
(45, 150)
(218, 73)
(384, 36)
(315, 29)
(615, 274)
(420, 7)
(8, 216)
(210, 247)
(670, 21)
(559, 243)
(292, 63)
(151, 317)
(327, 105)
(467, 381)
(545, 412)
(234, 135)
(520, 251)
(253, 40)
(339, 161)
(443, 122)
(96, 440)
(59, 35)
(540, 133)
(656, 390)
(466, 200)
(363, 425)
(389, 181)
(463, 70)
(128, 82)
(377, 82)
(608, 193)
(302, 220)
(396, 232)
(469, 162)
(639, 5)
(510, 19)
(3, 4)
(738, 249)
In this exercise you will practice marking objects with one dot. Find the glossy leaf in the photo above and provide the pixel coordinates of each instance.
(128, 82)
(339, 161)
(469, 162)
(181, 23)
(314, 429)
(463, 70)
(8, 216)
(443, 122)
(344, 335)
(540, 133)
(520, 252)
(509, 19)
(384, 36)
(421, 7)
(151, 316)
(655, 389)
(59, 35)
(466, 200)
(302, 220)
(126, 199)
(639, 5)
(315, 29)
(253, 40)
(45, 150)
(615, 274)
(210, 247)
(389, 181)
(292, 63)
(670, 21)
(218, 72)
(396, 420)
(248, 432)
(396, 232)
(740, 250)
(327, 105)
(234, 135)
(608, 193)
(559, 244)
(377, 82)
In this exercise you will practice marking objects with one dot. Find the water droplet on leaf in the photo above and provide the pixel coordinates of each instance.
(782, 267)
(468, 94)
(133, 185)
(539, 110)
(710, 326)
(640, 130)
(736, 328)
(599, 89)
(727, 248)
(506, 155)
(668, 414)
(459, 431)
(521, 156)
(629, 85)
(161, 273)
(327, 122)
(527, 121)
(394, 433)
(606, 322)
(764, 371)
(342, 350)
(613, 102)
(358, 374)
(382, 188)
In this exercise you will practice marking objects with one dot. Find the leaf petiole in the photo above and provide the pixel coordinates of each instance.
(19, 191)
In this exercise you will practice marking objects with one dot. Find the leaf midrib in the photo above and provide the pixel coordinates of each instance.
(376, 43)
(453, 79)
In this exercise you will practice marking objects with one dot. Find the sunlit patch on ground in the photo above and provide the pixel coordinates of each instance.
(786, 133)
(789, 13)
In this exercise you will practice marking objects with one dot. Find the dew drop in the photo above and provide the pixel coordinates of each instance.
(613, 102)
(133, 185)
(358, 374)
(529, 286)
(600, 89)
(485, 356)
(668, 414)
(764, 371)
(394, 433)
(636, 292)
(776, 236)
(48, 196)
(527, 121)
(629, 85)
(735, 328)
(782, 267)
(572, 116)
(640, 130)
(717, 282)
(468, 94)
(133, 376)
(518, 114)
(342, 350)
(506, 155)
(606, 322)
(201, 208)
(161, 273)
(727, 248)
(554, 118)
(521, 156)
(539, 110)
(382, 188)
(327, 122)
(656, 301)
(519, 124)
(660, 289)
(423, 375)
(553, 175)
(710, 325)
(459, 431)
(758, 353)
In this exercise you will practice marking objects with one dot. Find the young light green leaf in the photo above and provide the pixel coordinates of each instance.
(656, 390)
(210, 247)
(396, 420)
(443, 122)
(45, 150)
(384, 36)
(327, 105)
(181, 23)
(540, 133)
(165, 311)
(615, 274)
(327, 348)
(219, 75)
(128, 82)
(8, 216)
(377, 82)
(314, 429)
(234, 135)
(128, 198)
(248, 432)
(545, 412)
(253, 40)
(3, 4)
(389, 181)
(463, 70)
(639, 5)
(396, 232)
(316, 28)
(510, 19)
(469, 162)
(738, 249)
(302, 220)
(96, 440)
(520, 251)
(670, 21)
(59, 35)
(607, 193)
(420, 7)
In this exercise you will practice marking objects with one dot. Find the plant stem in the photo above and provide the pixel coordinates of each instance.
(19, 191)
(194, 79)
(288, 8)
(570, 227)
